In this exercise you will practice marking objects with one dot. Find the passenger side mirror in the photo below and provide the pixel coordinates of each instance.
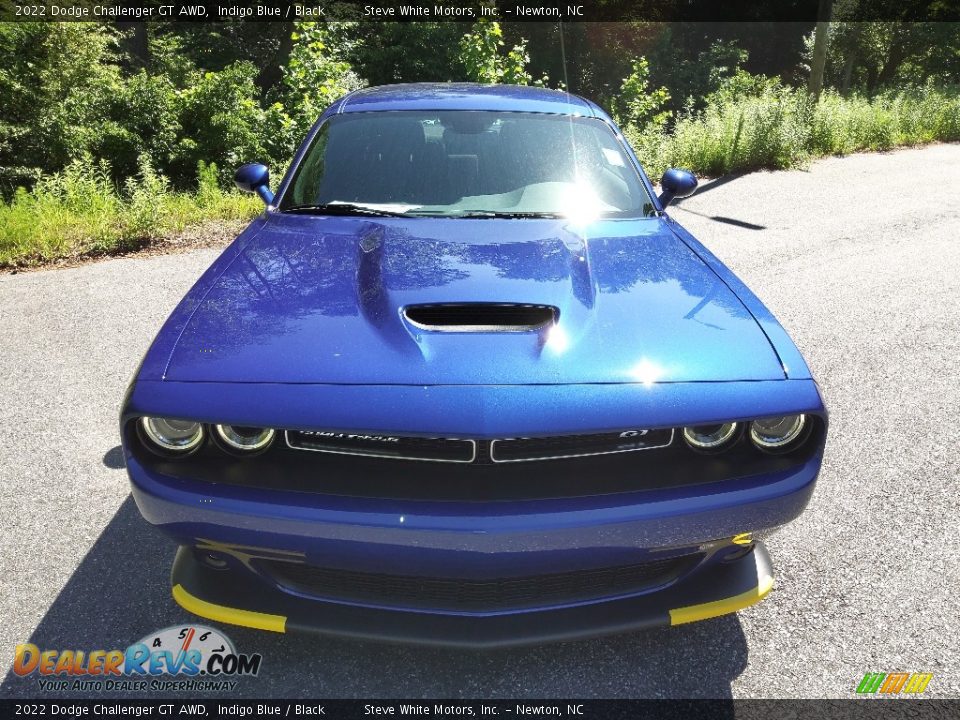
(254, 177)
(676, 184)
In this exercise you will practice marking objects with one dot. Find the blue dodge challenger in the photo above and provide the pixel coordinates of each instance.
(466, 382)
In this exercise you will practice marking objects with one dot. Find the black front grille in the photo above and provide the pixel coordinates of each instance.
(403, 447)
(567, 446)
(481, 317)
(383, 445)
(477, 595)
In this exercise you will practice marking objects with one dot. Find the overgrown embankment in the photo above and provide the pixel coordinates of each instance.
(81, 212)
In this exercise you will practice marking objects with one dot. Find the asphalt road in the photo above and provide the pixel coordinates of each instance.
(858, 257)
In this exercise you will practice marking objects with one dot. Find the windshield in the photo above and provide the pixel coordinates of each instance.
(467, 164)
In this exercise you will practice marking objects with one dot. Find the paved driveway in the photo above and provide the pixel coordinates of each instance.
(858, 257)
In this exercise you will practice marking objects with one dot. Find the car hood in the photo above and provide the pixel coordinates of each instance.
(320, 300)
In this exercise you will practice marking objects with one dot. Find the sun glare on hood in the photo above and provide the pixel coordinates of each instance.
(647, 372)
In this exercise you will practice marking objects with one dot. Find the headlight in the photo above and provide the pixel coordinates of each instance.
(244, 439)
(775, 434)
(172, 436)
(710, 437)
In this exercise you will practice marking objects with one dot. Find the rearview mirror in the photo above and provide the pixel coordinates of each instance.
(676, 183)
(254, 177)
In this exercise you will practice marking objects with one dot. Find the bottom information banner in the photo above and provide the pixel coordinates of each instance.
(572, 708)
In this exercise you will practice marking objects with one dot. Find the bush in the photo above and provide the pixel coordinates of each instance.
(315, 76)
(759, 123)
(483, 59)
(144, 118)
(637, 104)
(54, 92)
(222, 122)
(80, 211)
(147, 196)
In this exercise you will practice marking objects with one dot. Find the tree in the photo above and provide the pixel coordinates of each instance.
(407, 52)
(483, 61)
(317, 72)
(271, 73)
(871, 55)
(821, 38)
(136, 43)
(55, 88)
(637, 104)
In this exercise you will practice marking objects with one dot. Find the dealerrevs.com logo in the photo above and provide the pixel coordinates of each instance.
(187, 658)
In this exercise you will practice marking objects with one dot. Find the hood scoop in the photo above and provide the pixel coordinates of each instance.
(481, 317)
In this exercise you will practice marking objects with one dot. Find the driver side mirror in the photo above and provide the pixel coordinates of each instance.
(676, 183)
(254, 177)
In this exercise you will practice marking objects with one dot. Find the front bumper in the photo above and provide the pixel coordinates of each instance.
(712, 590)
(451, 539)
(244, 529)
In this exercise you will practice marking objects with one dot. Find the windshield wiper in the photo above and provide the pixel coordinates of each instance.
(507, 214)
(340, 208)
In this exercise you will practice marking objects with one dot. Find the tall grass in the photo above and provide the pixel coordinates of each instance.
(81, 212)
(782, 127)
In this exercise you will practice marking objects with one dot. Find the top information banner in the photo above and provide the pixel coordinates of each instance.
(471, 11)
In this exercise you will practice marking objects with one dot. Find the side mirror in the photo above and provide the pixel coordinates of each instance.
(254, 177)
(676, 184)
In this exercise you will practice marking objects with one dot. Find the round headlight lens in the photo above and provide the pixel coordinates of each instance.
(245, 439)
(778, 432)
(172, 436)
(710, 437)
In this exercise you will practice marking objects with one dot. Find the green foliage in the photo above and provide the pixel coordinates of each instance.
(148, 197)
(56, 81)
(407, 52)
(222, 121)
(869, 56)
(142, 118)
(208, 193)
(65, 96)
(80, 211)
(695, 76)
(637, 105)
(315, 75)
(118, 144)
(480, 52)
(780, 127)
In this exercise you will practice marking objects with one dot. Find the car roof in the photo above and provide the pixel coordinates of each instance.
(465, 96)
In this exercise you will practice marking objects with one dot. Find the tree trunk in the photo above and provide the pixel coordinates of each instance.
(272, 73)
(820, 48)
(136, 43)
(848, 66)
(853, 48)
(895, 57)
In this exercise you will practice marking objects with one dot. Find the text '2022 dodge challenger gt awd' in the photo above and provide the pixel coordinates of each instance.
(466, 382)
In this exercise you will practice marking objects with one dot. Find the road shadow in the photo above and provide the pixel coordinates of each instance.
(113, 458)
(712, 185)
(738, 223)
(677, 204)
(726, 220)
(120, 592)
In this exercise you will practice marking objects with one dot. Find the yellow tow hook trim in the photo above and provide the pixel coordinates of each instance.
(693, 613)
(742, 539)
(232, 616)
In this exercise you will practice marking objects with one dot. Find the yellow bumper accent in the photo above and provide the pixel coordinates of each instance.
(232, 616)
(693, 613)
